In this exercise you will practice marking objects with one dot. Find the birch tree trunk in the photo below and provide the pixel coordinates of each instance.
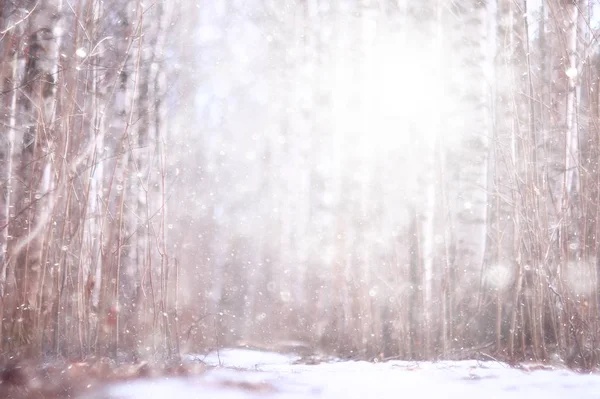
(33, 161)
(511, 120)
(468, 149)
(92, 259)
(10, 70)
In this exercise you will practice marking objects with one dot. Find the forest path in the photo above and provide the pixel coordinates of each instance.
(243, 374)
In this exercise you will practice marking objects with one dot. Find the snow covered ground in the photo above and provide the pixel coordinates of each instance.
(243, 373)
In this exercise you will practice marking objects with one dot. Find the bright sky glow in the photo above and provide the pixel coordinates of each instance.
(396, 88)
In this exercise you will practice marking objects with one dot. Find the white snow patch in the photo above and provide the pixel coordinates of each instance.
(499, 276)
(571, 73)
(81, 52)
(245, 358)
(245, 369)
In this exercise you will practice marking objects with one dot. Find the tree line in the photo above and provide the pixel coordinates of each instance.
(376, 178)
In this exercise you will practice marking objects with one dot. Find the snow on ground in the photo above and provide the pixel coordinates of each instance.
(246, 359)
(244, 374)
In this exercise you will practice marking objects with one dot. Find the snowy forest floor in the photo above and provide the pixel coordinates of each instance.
(245, 373)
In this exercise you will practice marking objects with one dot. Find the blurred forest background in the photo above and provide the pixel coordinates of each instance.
(374, 178)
